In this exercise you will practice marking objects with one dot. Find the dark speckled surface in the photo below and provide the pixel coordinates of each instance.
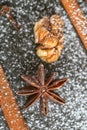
(17, 56)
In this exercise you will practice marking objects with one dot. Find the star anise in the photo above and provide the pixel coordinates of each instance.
(39, 89)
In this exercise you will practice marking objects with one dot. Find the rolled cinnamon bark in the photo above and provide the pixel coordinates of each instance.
(78, 19)
(9, 105)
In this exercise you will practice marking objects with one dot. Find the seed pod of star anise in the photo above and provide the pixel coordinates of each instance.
(49, 34)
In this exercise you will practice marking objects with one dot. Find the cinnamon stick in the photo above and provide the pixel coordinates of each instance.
(78, 19)
(9, 105)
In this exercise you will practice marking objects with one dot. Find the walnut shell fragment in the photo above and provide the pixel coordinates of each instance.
(50, 37)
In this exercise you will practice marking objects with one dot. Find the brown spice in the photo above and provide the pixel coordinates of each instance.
(39, 89)
(78, 19)
(9, 105)
(7, 11)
